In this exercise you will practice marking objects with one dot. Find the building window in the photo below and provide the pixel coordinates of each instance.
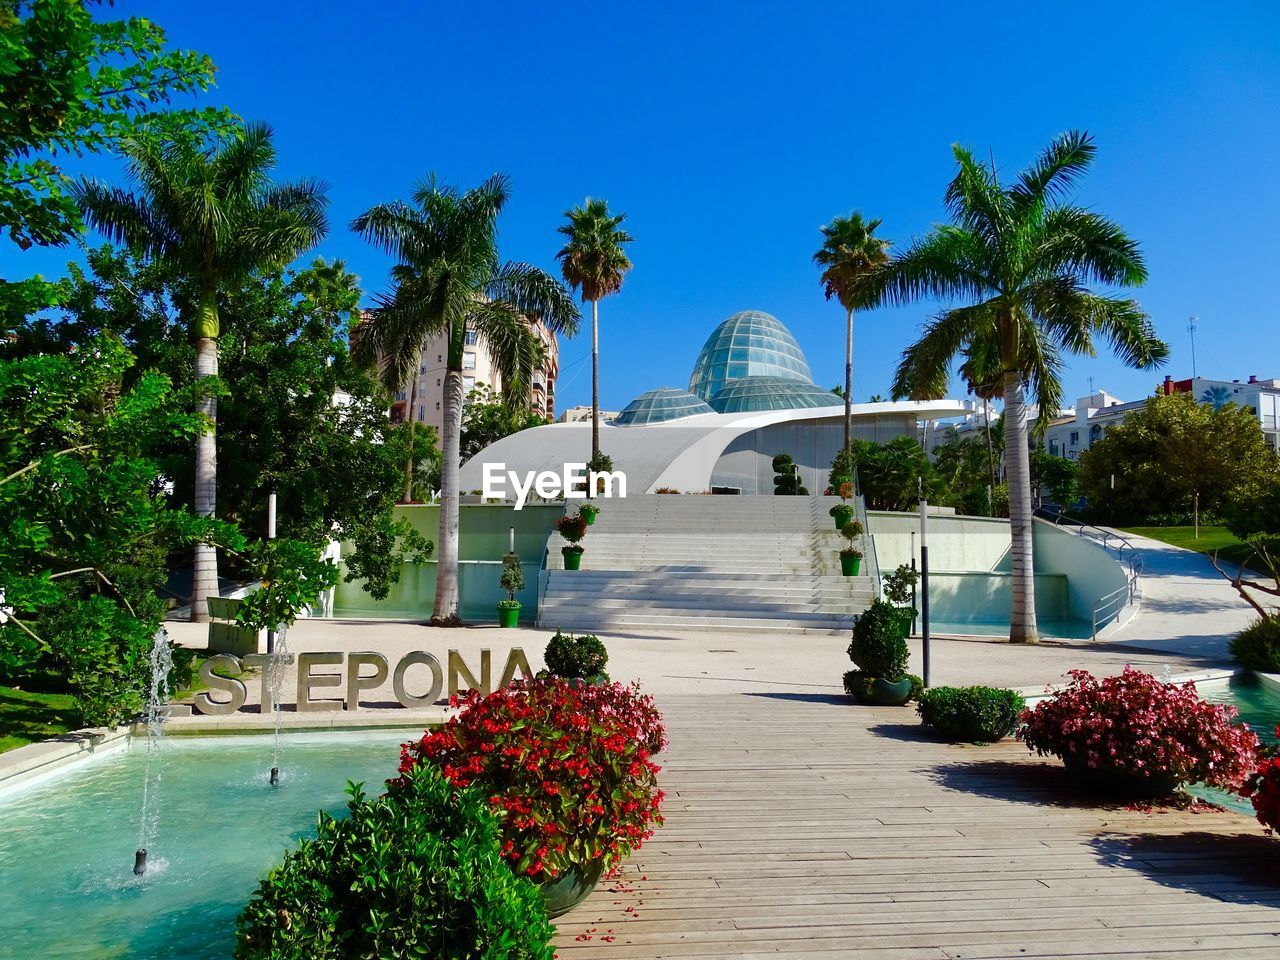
(468, 361)
(422, 412)
(468, 384)
(437, 381)
(422, 367)
(471, 338)
(1075, 437)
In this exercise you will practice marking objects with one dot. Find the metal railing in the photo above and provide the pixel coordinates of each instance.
(1108, 607)
(873, 561)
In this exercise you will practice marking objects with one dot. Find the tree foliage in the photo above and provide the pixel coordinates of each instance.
(488, 417)
(1172, 449)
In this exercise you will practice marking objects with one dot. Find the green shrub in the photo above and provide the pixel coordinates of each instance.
(857, 684)
(569, 656)
(842, 513)
(414, 873)
(512, 581)
(1257, 646)
(898, 584)
(878, 648)
(972, 714)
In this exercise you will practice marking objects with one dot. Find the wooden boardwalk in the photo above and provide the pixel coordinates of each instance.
(801, 826)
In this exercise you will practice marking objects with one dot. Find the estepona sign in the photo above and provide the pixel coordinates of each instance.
(221, 674)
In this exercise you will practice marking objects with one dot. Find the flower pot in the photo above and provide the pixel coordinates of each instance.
(1120, 784)
(508, 616)
(572, 559)
(849, 566)
(590, 518)
(566, 891)
(884, 693)
(904, 616)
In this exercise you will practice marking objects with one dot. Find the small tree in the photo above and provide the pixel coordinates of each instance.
(512, 581)
(786, 480)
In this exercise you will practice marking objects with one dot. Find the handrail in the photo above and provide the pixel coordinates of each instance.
(1108, 607)
(873, 560)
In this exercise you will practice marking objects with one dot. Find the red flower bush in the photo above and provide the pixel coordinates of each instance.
(565, 765)
(1138, 725)
(1263, 787)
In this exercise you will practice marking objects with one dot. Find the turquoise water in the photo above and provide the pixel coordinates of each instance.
(1259, 707)
(66, 846)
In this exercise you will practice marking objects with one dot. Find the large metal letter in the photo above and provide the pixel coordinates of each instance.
(205, 703)
(306, 680)
(356, 683)
(437, 680)
(459, 669)
(515, 661)
(268, 662)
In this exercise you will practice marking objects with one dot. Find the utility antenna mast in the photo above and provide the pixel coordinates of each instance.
(1191, 329)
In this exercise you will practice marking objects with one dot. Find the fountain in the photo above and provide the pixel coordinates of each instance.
(276, 669)
(161, 662)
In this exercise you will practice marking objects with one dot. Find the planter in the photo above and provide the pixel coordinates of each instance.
(849, 566)
(570, 888)
(1120, 784)
(883, 693)
(905, 616)
(572, 559)
(589, 517)
(508, 616)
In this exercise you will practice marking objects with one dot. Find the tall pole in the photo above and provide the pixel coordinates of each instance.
(271, 535)
(1191, 329)
(924, 581)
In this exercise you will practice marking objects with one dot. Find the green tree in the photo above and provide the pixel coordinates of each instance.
(448, 278)
(211, 213)
(850, 253)
(1021, 260)
(593, 261)
(1172, 452)
(487, 418)
(1058, 475)
(895, 475)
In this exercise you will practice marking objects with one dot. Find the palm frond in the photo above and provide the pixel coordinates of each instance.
(947, 264)
(535, 293)
(924, 371)
(1070, 239)
(1055, 171)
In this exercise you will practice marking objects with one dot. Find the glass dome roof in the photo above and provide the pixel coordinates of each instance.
(770, 393)
(657, 406)
(748, 344)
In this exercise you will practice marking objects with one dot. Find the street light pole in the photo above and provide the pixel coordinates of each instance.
(924, 580)
(271, 535)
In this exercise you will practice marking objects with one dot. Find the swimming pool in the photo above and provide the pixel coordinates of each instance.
(1259, 704)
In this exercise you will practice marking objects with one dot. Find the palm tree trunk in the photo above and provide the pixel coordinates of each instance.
(408, 467)
(446, 605)
(1022, 619)
(205, 577)
(595, 379)
(848, 375)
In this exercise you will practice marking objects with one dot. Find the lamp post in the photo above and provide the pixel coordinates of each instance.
(924, 579)
(271, 535)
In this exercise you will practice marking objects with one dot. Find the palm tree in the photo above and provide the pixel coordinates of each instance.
(1021, 259)
(448, 279)
(211, 212)
(593, 262)
(850, 252)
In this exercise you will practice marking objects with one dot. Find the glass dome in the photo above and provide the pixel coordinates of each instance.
(770, 393)
(657, 406)
(748, 344)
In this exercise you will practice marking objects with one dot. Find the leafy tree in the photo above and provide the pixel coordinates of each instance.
(1058, 475)
(786, 479)
(593, 261)
(1021, 260)
(894, 476)
(1253, 505)
(85, 524)
(961, 463)
(487, 418)
(210, 213)
(448, 278)
(850, 252)
(1170, 451)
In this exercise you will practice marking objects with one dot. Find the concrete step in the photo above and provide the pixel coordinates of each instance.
(678, 624)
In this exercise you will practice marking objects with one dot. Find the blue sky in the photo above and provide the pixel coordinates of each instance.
(730, 132)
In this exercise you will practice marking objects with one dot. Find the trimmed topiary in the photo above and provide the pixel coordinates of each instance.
(414, 873)
(1257, 646)
(970, 714)
(878, 649)
(583, 657)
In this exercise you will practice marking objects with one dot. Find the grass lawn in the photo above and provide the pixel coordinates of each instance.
(1220, 539)
(27, 716)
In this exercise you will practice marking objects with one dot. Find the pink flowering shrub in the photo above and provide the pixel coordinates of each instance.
(1137, 725)
(1263, 787)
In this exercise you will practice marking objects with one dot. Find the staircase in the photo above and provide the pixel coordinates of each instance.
(686, 562)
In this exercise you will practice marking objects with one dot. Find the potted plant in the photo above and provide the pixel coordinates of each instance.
(851, 556)
(572, 528)
(842, 513)
(1136, 737)
(576, 658)
(898, 586)
(588, 512)
(880, 653)
(512, 581)
(970, 714)
(584, 793)
(1262, 787)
